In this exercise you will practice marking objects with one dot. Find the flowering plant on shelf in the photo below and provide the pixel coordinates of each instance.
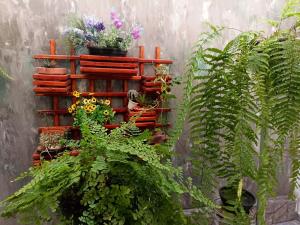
(90, 32)
(97, 110)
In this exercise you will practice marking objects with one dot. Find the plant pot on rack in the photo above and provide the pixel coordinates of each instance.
(107, 51)
(229, 194)
(51, 80)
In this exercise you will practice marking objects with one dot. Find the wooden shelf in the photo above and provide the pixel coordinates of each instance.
(104, 77)
(108, 58)
(96, 70)
(57, 57)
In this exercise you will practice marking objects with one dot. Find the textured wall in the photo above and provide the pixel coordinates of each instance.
(27, 25)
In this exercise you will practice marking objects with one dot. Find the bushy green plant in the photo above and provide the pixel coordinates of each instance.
(245, 97)
(117, 179)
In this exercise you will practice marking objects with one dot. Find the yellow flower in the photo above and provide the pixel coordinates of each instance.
(70, 110)
(93, 100)
(86, 101)
(107, 102)
(73, 107)
(77, 102)
(76, 94)
(86, 107)
(106, 112)
(101, 101)
(93, 107)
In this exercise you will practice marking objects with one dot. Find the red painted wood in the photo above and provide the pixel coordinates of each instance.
(104, 77)
(152, 78)
(56, 57)
(47, 77)
(51, 90)
(56, 107)
(105, 94)
(52, 83)
(108, 70)
(91, 85)
(146, 118)
(143, 114)
(107, 64)
(108, 58)
(151, 89)
(156, 61)
(142, 56)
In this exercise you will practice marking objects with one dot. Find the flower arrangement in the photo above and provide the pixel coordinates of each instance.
(97, 110)
(92, 33)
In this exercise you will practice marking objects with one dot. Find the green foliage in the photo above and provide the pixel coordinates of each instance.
(4, 74)
(242, 97)
(116, 179)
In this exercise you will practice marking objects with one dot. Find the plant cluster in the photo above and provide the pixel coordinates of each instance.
(97, 110)
(116, 179)
(90, 32)
(51, 140)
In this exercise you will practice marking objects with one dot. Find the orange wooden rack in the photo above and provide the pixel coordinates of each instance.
(103, 69)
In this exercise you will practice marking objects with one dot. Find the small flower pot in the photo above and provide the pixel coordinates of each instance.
(107, 51)
(158, 138)
(36, 156)
(132, 104)
(74, 153)
(229, 194)
(51, 71)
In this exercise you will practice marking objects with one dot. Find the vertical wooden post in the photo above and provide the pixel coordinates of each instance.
(125, 99)
(141, 56)
(73, 71)
(55, 98)
(157, 56)
(142, 66)
(91, 85)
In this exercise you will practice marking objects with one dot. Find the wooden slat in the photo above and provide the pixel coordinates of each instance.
(108, 58)
(47, 77)
(163, 110)
(108, 70)
(105, 94)
(151, 89)
(143, 114)
(104, 77)
(56, 57)
(156, 61)
(152, 78)
(65, 111)
(146, 118)
(52, 83)
(51, 90)
(107, 64)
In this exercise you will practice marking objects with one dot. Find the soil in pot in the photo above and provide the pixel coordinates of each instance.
(107, 51)
(229, 194)
(51, 71)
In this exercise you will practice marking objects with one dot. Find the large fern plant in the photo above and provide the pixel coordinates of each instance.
(244, 107)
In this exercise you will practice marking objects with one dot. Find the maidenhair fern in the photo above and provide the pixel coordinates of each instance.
(245, 104)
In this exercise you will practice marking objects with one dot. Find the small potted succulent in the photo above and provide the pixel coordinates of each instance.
(51, 141)
(49, 67)
(112, 40)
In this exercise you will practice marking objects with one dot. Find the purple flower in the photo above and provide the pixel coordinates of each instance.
(99, 26)
(117, 21)
(136, 32)
(92, 23)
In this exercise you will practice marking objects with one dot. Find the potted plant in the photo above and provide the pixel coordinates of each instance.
(244, 108)
(112, 40)
(229, 198)
(49, 67)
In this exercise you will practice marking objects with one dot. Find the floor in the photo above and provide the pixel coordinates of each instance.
(290, 223)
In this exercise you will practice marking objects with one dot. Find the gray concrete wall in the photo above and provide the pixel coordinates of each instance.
(27, 25)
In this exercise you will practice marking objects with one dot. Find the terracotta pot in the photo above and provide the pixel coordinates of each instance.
(158, 138)
(36, 156)
(74, 153)
(40, 148)
(51, 71)
(36, 162)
